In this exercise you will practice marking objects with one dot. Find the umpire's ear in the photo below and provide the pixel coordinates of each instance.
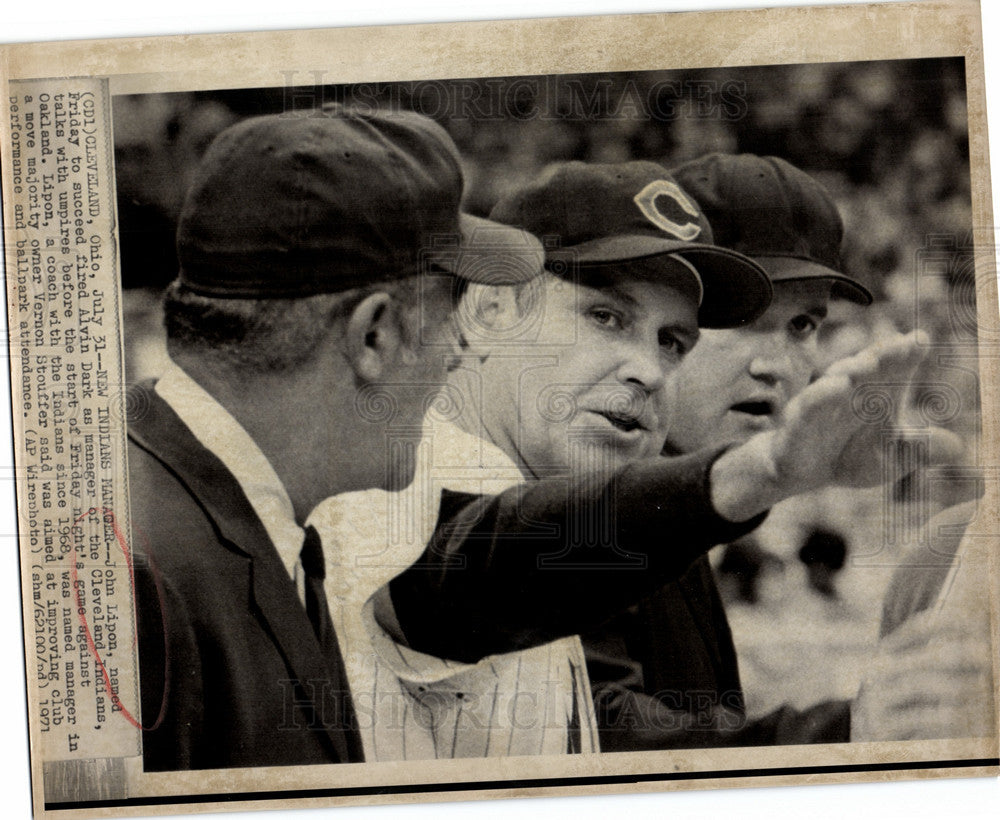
(372, 336)
(488, 314)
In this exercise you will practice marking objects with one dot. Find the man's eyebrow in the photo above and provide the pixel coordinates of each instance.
(690, 334)
(620, 295)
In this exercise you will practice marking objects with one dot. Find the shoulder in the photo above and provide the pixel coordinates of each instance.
(157, 496)
(168, 522)
(924, 567)
(938, 540)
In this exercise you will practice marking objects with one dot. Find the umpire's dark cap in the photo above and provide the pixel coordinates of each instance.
(774, 213)
(591, 215)
(292, 205)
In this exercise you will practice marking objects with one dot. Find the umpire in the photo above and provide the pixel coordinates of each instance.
(302, 245)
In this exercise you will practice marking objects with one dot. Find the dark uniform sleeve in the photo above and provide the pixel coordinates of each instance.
(555, 558)
(663, 672)
(632, 721)
(826, 722)
(664, 675)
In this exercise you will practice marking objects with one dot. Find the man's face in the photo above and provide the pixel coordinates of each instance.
(414, 377)
(592, 389)
(737, 382)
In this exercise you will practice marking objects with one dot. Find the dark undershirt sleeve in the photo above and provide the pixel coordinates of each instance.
(557, 557)
(826, 722)
(632, 721)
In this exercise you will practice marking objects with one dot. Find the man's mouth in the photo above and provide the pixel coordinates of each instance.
(762, 407)
(624, 423)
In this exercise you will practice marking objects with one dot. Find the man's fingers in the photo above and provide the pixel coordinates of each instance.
(893, 360)
(897, 356)
(887, 368)
(864, 362)
(904, 361)
(901, 356)
(920, 629)
(910, 672)
(821, 396)
(825, 438)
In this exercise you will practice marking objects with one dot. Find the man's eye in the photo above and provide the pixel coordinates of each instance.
(605, 318)
(803, 326)
(672, 345)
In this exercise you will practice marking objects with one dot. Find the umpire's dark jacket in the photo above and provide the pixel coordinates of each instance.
(230, 670)
(231, 673)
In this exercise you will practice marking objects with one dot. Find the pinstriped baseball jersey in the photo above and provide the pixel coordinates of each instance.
(414, 706)
(536, 701)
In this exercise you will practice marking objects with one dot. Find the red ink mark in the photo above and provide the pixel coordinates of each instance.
(161, 600)
(109, 518)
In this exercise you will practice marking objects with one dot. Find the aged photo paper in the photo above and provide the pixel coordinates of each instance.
(103, 144)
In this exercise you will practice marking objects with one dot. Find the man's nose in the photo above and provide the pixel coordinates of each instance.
(775, 360)
(451, 342)
(644, 366)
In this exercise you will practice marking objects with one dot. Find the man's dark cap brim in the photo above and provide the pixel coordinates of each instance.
(736, 288)
(792, 269)
(489, 253)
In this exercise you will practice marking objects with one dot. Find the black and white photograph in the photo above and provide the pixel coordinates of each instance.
(503, 434)
(806, 197)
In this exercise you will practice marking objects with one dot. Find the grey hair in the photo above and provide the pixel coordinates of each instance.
(260, 335)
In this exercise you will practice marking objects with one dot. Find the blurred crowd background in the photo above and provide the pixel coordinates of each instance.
(889, 140)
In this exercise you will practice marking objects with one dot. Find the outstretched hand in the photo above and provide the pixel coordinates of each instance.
(829, 435)
(931, 678)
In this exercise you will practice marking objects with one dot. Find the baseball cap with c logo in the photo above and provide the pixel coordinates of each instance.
(590, 215)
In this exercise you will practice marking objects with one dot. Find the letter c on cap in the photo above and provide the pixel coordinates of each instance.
(646, 200)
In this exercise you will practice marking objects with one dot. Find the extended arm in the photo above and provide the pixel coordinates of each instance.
(558, 557)
(554, 558)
